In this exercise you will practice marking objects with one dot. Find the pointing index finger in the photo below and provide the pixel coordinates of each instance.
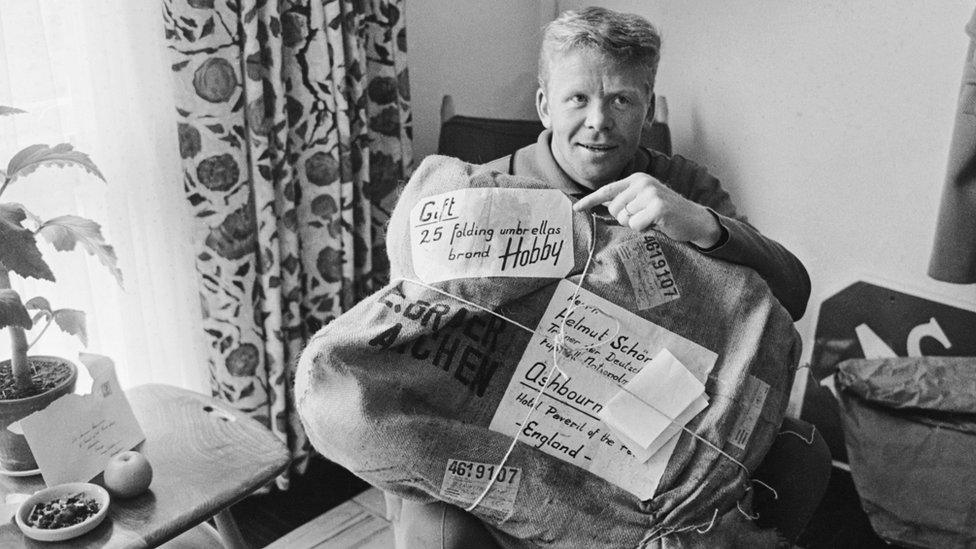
(602, 195)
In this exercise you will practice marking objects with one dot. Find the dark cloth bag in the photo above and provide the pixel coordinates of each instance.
(910, 431)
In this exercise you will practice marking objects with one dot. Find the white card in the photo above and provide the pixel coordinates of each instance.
(670, 433)
(471, 233)
(653, 400)
(73, 438)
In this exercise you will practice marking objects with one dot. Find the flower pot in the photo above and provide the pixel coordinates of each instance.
(15, 454)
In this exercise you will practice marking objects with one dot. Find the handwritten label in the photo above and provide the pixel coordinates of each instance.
(648, 271)
(466, 480)
(752, 402)
(565, 420)
(472, 233)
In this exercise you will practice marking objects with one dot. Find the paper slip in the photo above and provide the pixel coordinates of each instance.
(471, 233)
(73, 438)
(644, 454)
(653, 400)
(752, 402)
(565, 421)
(670, 433)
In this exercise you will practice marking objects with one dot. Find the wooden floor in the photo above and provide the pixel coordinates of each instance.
(264, 518)
(359, 523)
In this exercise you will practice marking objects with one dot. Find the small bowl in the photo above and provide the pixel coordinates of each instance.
(92, 491)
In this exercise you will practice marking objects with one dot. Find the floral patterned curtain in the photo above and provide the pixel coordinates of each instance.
(294, 129)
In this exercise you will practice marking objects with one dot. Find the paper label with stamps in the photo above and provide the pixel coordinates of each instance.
(607, 346)
(471, 233)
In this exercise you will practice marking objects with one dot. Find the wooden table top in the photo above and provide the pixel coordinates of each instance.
(205, 457)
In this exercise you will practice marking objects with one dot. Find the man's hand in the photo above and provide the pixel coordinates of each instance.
(641, 202)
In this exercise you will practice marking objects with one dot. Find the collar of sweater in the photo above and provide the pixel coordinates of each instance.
(536, 160)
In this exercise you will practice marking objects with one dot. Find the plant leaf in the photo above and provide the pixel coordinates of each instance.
(12, 310)
(18, 249)
(36, 156)
(72, 321)
(8, 111)
(39, 304)
(67, 230)
(42, 307)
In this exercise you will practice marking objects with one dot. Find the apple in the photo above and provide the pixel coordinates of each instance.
(127, 474)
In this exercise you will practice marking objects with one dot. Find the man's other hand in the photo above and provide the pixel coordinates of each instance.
(641, 202)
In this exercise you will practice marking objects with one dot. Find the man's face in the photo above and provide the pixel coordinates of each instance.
(595, 109)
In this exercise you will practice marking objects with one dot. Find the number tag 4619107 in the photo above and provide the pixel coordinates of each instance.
(649, 273)
(466, 480)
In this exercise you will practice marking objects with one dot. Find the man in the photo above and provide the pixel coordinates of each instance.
(596, 81)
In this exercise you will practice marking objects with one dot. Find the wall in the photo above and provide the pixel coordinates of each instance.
(828, 122)
(481, 53)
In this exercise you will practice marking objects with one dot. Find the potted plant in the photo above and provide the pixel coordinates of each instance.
(31, 383)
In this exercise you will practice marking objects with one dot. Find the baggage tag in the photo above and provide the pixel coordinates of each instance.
(649, 272)
(466, 480)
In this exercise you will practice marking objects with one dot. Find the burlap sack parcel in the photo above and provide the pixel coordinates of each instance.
(409, 379)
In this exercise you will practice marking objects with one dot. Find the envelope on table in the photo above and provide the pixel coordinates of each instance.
(74, 437)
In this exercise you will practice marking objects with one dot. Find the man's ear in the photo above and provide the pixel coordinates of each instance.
(542, 107)
(649, 116)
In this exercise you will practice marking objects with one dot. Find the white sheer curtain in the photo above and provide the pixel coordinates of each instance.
(94, 73)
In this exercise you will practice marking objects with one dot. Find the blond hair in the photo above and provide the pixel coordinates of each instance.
(623, 38)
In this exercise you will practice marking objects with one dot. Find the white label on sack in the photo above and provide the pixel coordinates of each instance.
(471, 233)
(752, 402)
(606, 346)
(648, 271)
(464, 481)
